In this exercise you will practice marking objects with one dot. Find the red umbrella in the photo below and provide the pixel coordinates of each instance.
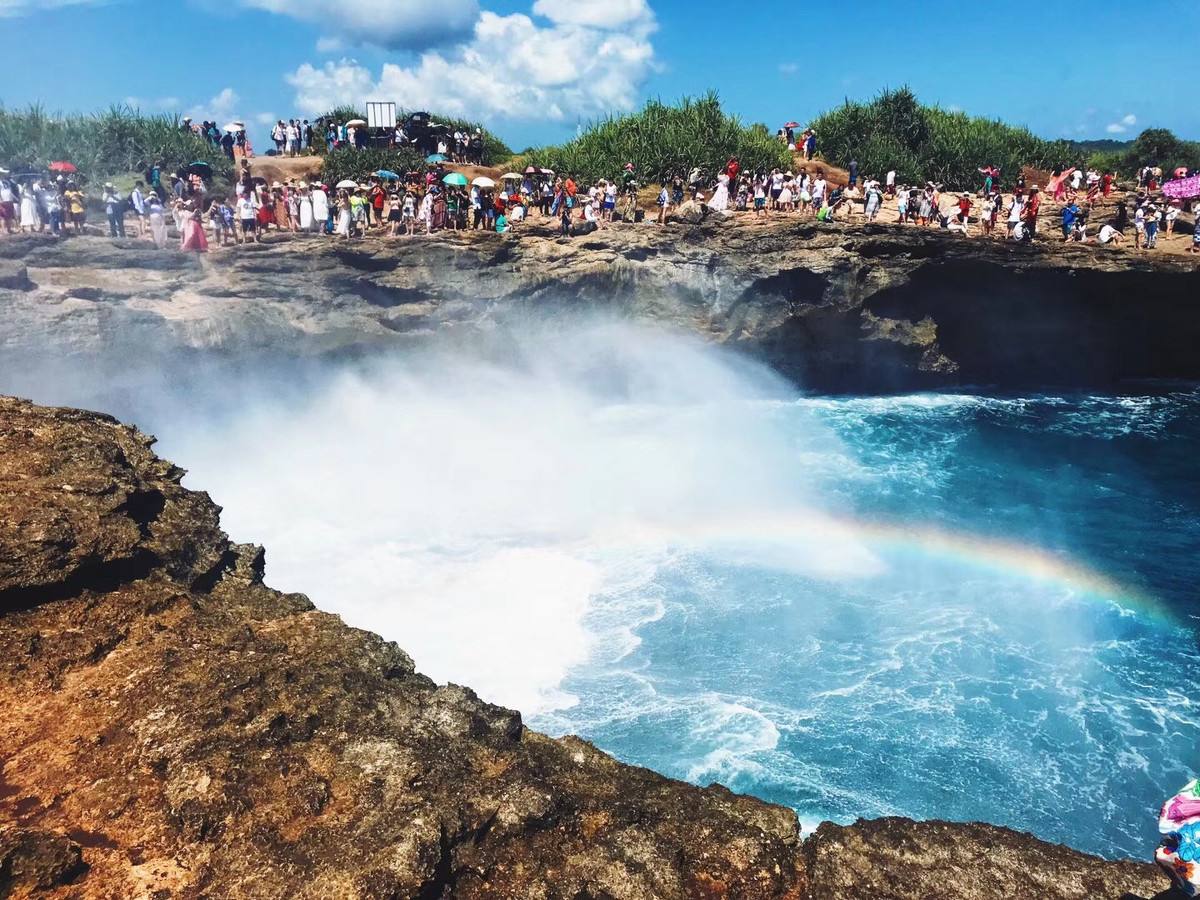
(63, 167)
(1181, 172)
(791, 125)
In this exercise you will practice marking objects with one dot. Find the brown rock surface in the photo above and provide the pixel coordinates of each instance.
(175, 728)
(835, 307)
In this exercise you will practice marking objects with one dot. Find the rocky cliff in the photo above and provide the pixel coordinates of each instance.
(842, 307)
(174, 728)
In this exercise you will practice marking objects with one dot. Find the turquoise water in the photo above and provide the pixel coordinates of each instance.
(955, 678)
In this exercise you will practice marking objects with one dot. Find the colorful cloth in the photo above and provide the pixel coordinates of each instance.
(1183, 188)
(1179, 852)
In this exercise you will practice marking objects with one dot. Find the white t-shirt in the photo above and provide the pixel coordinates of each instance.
(777, 181)
(818, 190)
(247, 206)
(1106, 233)
(891, 178)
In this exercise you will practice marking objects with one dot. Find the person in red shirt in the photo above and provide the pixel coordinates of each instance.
(732, 168)
(1107, 181)
(964, 207)
(1030, 212)
(377, 197)
(569, 186)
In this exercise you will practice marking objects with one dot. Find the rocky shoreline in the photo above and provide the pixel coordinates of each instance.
(842, 308)
(176, 728)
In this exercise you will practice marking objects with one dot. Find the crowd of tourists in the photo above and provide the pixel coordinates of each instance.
(438, 199)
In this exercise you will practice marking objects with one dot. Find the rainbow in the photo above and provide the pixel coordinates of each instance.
(855, 543)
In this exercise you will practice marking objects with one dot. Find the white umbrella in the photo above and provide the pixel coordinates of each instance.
(484, 182)
(347, 183)
(356, 122)
(235, 126)
(512, 176)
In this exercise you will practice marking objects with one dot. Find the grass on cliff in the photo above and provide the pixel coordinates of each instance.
(921, 143)
(663, 141)
(102, 145)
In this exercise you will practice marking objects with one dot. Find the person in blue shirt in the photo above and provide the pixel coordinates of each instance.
(1069, 214)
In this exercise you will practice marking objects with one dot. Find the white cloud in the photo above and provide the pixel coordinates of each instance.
(220, 108)
(408, 24)
(1124, 125)
(266, 118)
(789, 68)
(12, 8)
(593, 13)
(561, 71)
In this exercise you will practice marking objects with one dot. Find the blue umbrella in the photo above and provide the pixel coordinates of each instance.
(384, 173)
(435, 158)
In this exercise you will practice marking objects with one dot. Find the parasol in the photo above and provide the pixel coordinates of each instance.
(511, 176)
(455, 178)
(235, 127)
(63, 167)
(357, 123)
(200, 167)
(435, 158)
(384, 173)
(347, 184)
(791, 125)
(484, 182)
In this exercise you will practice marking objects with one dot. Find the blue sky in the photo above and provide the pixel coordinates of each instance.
(534, 69)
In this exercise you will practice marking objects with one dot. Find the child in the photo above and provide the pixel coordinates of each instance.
(220, 214)
(408, 214)
(663, 201)
(902, 205)
(760, 199)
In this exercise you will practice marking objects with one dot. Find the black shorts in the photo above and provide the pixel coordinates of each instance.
(393, 215)
(249, 225)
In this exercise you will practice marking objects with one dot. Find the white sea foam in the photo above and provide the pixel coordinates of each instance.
(497, 510)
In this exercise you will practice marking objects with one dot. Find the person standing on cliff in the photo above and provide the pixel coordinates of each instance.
(1030, 212)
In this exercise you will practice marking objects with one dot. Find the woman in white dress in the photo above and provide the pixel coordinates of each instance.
(293, 202)
(320, 209)
(306, 209)
(30, 220)
(425, 214)
(720, 197)
(785, 196)
(343, 222)
(158, 221)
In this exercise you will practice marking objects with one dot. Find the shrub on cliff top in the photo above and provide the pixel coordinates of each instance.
(495, 151)
(101, 145)
(894, 131)
(663, 141)
(357, 165)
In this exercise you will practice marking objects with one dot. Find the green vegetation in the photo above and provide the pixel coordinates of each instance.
(346, 162)
(495, 151)
(922, 143)
(101, 145)
(1153, 147)
(664, 141)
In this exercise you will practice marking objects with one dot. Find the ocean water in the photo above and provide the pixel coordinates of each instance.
(948, 605)
(1023, 652)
